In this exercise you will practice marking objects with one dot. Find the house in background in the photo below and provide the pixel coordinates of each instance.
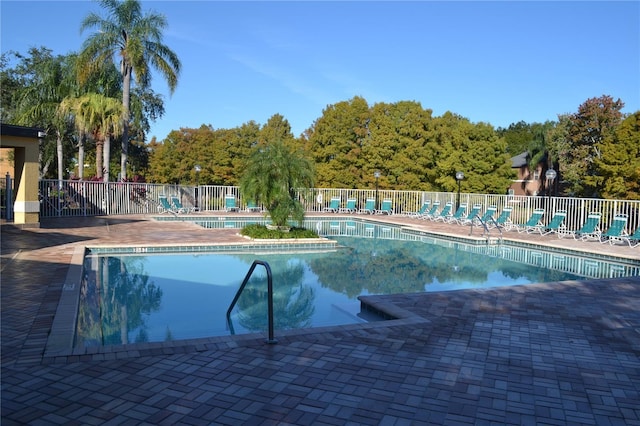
(527, 182)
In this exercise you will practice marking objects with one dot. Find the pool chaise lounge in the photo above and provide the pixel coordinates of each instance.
(422, 211)
(471, 216)
(633, 239)
(444, 213)
(179, 207)
(230, 203)
(487, 217)
(165, 205)
(350, 207)
(432, 211)
(533, 224)
(616, 231)
(503, 221)
(457, 215)
(333, 206)
(253, 207)
(386, 208)
(555, 226)
(369, 206)
(590, 230)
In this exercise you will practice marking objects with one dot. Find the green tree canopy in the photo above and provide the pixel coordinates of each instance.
(595, 120)
(617, 169)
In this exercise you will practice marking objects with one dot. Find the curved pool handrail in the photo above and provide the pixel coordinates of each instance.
(255, 263)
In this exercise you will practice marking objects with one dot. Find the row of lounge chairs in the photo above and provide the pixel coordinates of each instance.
(230, 205)
(589, 231)
(173, 205)
(351, 206)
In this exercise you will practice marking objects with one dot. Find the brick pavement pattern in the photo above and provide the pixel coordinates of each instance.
(554, 353)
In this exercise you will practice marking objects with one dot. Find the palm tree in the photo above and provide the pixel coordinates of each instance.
(48, 83)
(272, 175)
(99, 116)
(136, 40)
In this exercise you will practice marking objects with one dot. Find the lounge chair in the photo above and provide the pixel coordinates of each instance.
(556, 224)
(423, 210)
(333, 206)
(350, 207)
(487, 217)
(633, 239)
(444, 213)
(369, 206)
(253, 207)
(432, 211)
(165, 205)
(617, 230)
(458, 213)
(503, 221)
(471, 216)
(590, 229)
(230, 203)
(179, 208)
(385, 208)
(534, 222)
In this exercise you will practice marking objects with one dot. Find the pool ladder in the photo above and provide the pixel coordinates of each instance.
(271, 339)
(487, 232)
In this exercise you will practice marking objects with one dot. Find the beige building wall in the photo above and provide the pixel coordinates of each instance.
(24, 141)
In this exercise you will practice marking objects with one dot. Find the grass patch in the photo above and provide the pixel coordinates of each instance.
(261, 232)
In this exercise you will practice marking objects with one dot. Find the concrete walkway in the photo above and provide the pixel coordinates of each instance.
(554, 353)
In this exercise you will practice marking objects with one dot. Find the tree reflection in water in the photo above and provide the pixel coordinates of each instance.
(391, 266)
(115, 296)
(293, 301)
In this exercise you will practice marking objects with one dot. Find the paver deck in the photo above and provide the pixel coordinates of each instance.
(553, 353)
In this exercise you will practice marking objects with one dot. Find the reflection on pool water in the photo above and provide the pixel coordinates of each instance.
(152, 298)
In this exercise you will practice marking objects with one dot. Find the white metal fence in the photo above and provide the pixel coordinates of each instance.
(85, 198)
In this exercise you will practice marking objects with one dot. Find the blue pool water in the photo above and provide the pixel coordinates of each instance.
(159, 297)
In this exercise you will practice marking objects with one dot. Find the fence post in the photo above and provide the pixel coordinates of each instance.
(9, 197)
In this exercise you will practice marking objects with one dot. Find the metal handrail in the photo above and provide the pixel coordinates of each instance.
(498, 226)
(486, 227)
(271, 339)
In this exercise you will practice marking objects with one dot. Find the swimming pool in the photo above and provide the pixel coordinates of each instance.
(144, 296)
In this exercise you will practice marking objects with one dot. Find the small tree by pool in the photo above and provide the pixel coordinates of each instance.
(274, 171)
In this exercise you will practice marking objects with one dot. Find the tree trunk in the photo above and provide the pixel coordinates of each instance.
(106, 150)
(81, 139)
(99, 145)
(126, 94)
(59, 154)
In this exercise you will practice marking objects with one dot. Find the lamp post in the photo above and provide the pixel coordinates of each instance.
(550, 175)
(459, 177)
(376, 174)
(197, 168)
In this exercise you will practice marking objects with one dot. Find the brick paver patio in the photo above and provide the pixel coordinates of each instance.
(553, 353)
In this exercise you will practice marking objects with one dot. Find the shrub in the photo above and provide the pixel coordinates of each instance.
(261, 232)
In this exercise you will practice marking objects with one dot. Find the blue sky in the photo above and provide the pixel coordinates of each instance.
(498, 62)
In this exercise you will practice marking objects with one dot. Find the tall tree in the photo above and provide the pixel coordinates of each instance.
(618, 166)
(135, 40)
(336, 140)
(44, 82)
(102, 117)
(595, 120)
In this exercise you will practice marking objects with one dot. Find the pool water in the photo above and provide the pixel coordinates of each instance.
(154, 298)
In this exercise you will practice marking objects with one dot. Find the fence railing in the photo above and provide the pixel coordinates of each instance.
(86, 198)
